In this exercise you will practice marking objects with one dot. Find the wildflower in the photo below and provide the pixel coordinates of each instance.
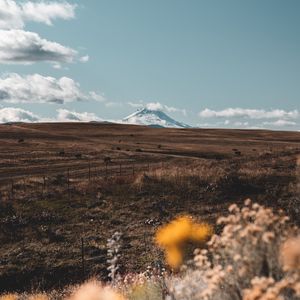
(247, 202)
(290, 254)
(173, 236)
(268, 236)
(93, 290)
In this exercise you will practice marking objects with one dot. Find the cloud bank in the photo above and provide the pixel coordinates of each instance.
(11, 114)
(36, 88)
(250, 113)
(65, 115)
(250, 118)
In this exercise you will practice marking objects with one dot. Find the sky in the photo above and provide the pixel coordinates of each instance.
(208, 63)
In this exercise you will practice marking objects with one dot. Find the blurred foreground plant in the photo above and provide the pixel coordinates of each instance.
(174, 236)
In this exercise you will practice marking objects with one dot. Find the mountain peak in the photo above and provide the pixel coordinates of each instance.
(151, 117)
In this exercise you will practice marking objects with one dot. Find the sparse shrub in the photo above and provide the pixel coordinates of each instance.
(113, 249)
(244, 261)
(107, 160)
(138, 150)
(61, 153)
(78, 155)
(148, 290)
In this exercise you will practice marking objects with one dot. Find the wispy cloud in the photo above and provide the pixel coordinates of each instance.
(84, 59)
(36, 88)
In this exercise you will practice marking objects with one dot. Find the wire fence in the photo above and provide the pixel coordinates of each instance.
(70, 176)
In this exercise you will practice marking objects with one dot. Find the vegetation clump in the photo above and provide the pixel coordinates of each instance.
(255, 257)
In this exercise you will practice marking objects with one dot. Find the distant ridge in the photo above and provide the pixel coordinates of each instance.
(153, 118)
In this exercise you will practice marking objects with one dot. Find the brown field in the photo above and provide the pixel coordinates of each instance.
(57, 191)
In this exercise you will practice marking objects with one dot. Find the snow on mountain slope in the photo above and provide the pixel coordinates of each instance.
(155, 118)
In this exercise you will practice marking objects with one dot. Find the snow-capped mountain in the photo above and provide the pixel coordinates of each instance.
(154, 118)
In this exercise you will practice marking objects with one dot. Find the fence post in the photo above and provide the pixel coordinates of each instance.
(89, 171)
(12, 189)
(24, 185)
(105, 169)
(69, 195)
(82, 258)
(133, 168)
(120, 169)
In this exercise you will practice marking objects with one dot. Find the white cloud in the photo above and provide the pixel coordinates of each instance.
(18, 46)
(175, 109)
(240, 124)
(154, 106)
(84, 59)
(36, 88)
(65, 115)
(24, 47)
(95, 96)
(249, 113)
(252, 118)
(11, 114)
(136, 105)
(157, 106)
(14, 15)
(280, 123)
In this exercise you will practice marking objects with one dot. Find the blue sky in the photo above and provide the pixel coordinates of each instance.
(209, 63)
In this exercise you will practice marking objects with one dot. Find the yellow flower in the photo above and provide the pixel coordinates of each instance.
(173, 236)
(174, 256)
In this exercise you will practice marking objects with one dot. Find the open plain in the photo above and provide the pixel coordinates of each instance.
(65, 188)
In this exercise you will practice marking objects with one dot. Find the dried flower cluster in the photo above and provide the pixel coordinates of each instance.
(256, 257)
